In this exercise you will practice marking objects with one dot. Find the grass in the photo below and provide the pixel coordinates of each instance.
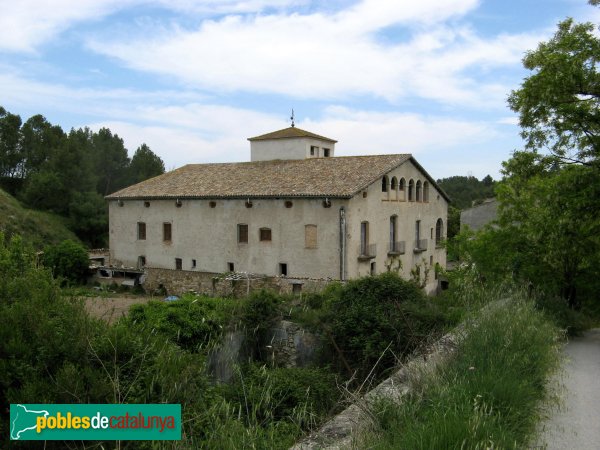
(488, 395)
(36, 227)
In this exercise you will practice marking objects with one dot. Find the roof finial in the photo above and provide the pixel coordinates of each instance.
(292, 118)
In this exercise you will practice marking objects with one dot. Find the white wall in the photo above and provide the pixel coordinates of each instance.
(209, 235)
(377, 208)
(292, 148)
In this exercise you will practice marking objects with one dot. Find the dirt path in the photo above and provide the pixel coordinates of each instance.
(112, 309)
(576, 424)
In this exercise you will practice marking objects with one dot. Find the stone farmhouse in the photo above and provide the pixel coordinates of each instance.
(295, 210)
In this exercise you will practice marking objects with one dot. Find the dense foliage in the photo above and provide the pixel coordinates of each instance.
(68, 261)
(548, 229)
(466, 191)
(69, 173)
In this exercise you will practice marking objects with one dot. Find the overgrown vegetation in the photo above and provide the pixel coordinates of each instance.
(36, 227)
(488, 394)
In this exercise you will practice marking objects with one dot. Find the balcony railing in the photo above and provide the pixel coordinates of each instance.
(420, 245)
(367, 252)
(397, 248)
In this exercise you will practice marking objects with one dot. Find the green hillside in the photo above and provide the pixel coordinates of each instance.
(37, 227)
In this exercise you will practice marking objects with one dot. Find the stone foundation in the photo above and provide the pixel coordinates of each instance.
(178, 282)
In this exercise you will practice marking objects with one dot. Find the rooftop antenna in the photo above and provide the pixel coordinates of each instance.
(292, 118)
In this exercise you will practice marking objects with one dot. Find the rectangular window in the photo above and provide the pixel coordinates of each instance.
(193, 263)
(242, 233)
(393, 233)
(310, 236)
(167, 232)
(432, 233)
(326, 152)
(141, 231)
(141, 261)
(230, 267)
(373, 268)
(314, 150)
(178, 264)
(265, 234)
(364, 238)
(283, 269)
(418, 230)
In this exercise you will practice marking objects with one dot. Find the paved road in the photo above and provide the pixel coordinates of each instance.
(576, 424)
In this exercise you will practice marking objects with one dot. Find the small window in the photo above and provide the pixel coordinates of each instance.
(248, 203)
(373, 268)
(146, 204)
(193, 263)
(242, 233)
(167, 232)
(265, 234)
(296, 288)
(394, 184)
(314, 150)
(431, 235)
(178, 203)
(283, 270)
(141, 261)
(212, 204)
(425, 191)
(141, 231)
(419, 191)
(411, 189)
(326, 153)
(230, 267)
(326, 203)
(289, 204)
(178, 264)
(430, 260)
(310, 236)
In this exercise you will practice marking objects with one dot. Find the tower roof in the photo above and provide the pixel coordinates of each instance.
(290, 133)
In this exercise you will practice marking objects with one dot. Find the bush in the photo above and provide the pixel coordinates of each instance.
(370, 314)
(259, 313)
(193, 323)
(68, 261)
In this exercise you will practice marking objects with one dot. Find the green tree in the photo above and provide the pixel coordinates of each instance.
(68, 260)
(39, 140)
(11, 157)
(558, 104)
(145, 164)
(111, 162)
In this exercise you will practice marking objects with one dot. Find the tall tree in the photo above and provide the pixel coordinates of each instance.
(145, 164)
(559, 104)
(39, 140)
(110, 161)
(11, 157)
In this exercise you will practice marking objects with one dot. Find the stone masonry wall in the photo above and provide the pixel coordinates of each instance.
(177, 282)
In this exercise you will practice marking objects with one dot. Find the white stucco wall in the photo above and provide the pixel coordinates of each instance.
(377, 208)
(296, 148)
(209, 235)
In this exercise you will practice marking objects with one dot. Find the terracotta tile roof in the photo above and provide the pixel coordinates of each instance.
(340, 177)
(290, 132)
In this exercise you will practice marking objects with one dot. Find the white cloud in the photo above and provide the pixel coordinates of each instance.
(27, 24)
(330, 56)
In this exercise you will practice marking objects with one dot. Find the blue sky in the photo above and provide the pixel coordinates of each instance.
(194, 79)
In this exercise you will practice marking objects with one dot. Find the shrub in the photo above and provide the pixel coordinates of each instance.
(259, 313)
(370, 314)
(68, 261)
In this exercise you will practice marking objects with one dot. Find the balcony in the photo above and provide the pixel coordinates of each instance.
(397, 248)
(420, 246)
(367, 252)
